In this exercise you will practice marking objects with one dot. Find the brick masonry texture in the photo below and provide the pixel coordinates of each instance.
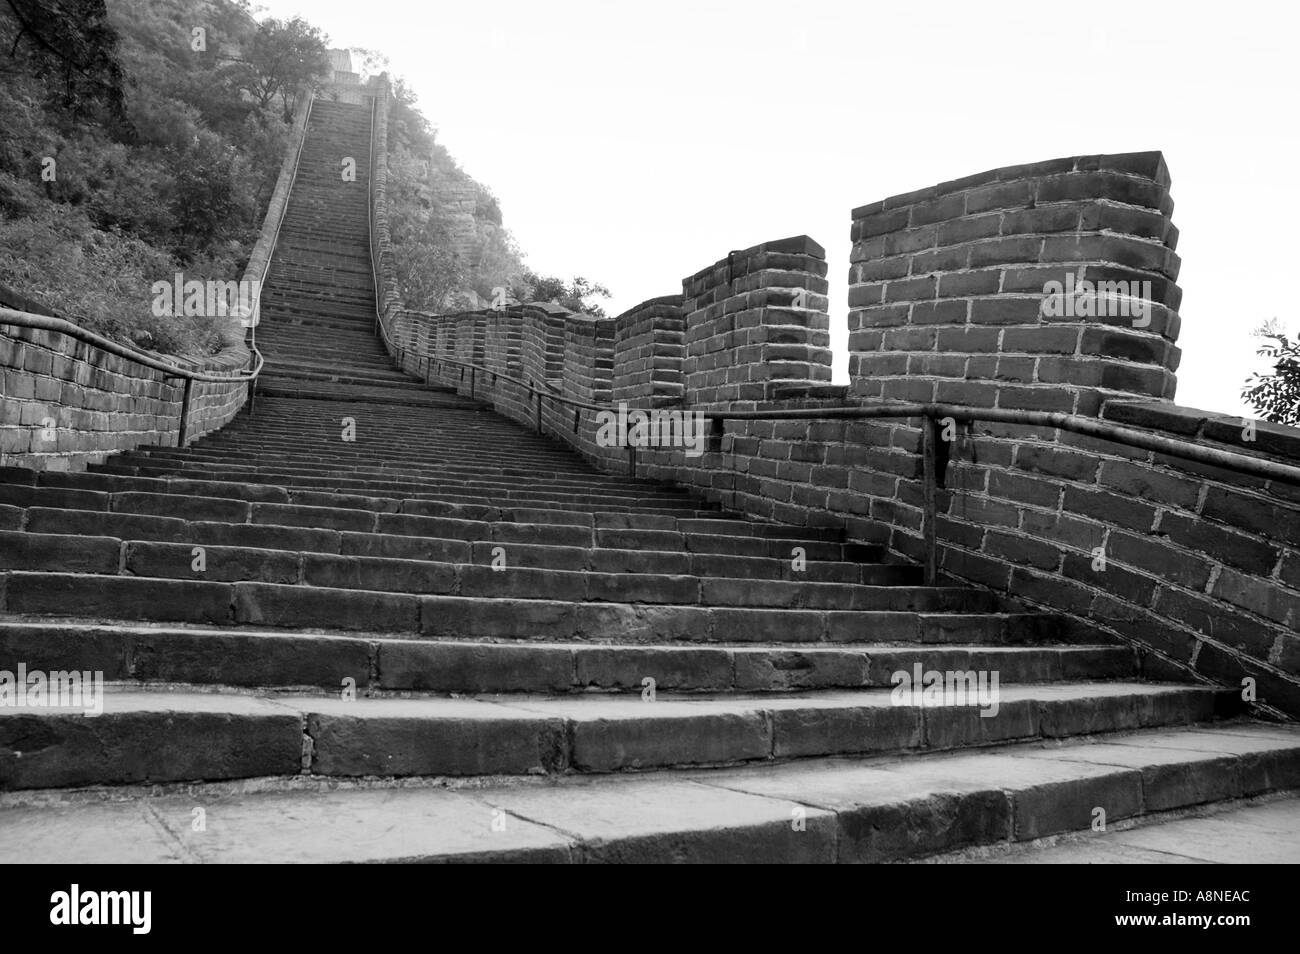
(67, 403)
(1201, 566)
(649, 345)
(947, 287)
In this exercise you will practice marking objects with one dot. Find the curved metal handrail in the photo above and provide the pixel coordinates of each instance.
(27, 320)
(1092, 427)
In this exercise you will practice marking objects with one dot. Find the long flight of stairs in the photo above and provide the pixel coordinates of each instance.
(376, 621)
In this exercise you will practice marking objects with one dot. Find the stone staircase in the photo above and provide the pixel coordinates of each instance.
(377, 621)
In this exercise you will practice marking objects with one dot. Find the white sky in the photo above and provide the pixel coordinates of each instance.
(634, 144)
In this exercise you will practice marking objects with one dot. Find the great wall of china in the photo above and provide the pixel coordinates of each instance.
(374, 544)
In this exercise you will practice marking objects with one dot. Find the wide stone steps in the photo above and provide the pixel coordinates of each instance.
(230, 736)
(396, 481)
(59, 553)
(306, 389)
(450, 472)
(286, 369)
(305, 247)
(143, 654)
(433, 477)
(377, 437)
(863, 809)
(166, 516)
(328, 257)
(259, 548)
(492, 612)
(325, 359)
(290, 339)
(558, 497)
(323, 302)
(314, 367)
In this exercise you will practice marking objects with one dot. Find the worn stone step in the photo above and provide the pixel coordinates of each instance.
(49, 510)
(253, 657)
(1261, 828)
(451, 498)
(377, 498)
(175, 735)
(270, 386)
(58, 531)
(449, 476)
(876, 809)
(611, 559)
(811, 811)
(463, 617)
(105, 555)
(107, 481)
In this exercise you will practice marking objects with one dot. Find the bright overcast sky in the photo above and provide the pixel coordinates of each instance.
(634, 144)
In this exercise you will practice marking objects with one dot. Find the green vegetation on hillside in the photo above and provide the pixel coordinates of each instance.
(141, 138)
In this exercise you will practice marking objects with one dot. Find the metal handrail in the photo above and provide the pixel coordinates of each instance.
(44, 322)
(27, 320)
(1093, 427)
(935, 415)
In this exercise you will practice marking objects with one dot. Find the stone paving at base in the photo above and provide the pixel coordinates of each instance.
(1237, 833)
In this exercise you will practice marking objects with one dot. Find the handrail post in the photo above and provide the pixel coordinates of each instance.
(537, 414)
(631, 460)
(471, 381)
(184, 423)
(929, 490)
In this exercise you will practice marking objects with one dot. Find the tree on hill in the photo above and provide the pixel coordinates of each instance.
(282, 57)
(71, 41)
(576, 295)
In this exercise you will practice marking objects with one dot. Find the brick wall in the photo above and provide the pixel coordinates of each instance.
(648, 350)
(67, 402)
(502, 339)
(587, 365)
(947, 287)
(542, 344)
(756, 321)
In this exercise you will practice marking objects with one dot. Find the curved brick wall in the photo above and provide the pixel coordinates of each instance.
(947, 287)
(99, 402)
